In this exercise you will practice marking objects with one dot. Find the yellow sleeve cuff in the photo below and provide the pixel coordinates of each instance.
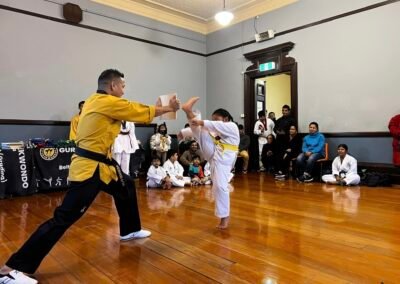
(152, 113)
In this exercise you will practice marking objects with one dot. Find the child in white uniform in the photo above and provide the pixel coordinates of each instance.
(344, 169)
(175, 170)
(124, 145)
(156, 175)
(219, 140)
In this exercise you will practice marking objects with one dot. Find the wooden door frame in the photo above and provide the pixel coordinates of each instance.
(283, 64)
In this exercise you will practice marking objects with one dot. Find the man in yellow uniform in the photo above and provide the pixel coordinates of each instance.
(91, 171)
(74, 122)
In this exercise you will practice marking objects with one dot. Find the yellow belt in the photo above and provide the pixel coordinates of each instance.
(225, 146)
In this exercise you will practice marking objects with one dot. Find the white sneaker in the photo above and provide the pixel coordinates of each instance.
(135, 235)
(16, 277)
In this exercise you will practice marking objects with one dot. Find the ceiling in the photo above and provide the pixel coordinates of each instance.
(196, 15)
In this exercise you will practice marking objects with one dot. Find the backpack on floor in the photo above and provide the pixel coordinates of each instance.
(374, 179)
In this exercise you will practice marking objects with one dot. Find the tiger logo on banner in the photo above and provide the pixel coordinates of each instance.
(48, 154)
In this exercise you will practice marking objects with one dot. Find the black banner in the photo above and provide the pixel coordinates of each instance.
(17, 175)
(52, 167)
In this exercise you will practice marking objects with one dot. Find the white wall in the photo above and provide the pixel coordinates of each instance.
(347, 68)
(48, 67)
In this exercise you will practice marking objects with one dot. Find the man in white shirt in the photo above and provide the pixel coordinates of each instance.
(262, 128)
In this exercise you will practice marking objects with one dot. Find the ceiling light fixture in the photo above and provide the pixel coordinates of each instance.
(224, 17)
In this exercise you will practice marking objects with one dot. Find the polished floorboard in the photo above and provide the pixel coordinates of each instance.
(280, 232)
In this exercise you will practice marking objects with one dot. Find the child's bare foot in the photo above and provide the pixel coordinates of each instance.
(223, 224)
(5, 269)
(187, 107)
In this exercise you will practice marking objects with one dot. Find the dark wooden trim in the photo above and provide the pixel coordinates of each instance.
(356, 134)
(34, 122)
(284, 64)
(56, 123)
(323, 21)
(3, 7)
(154, 125)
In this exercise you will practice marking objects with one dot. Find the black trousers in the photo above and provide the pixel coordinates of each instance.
(283, 162)
(77, 200)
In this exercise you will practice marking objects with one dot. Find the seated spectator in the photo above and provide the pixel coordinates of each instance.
(291, 149)
(344, 169)
(313, 149)
(187, 156)
(196, 172)
(175, 170)
(269, 154)
(160, 142)
(244, 148)
(156, 175)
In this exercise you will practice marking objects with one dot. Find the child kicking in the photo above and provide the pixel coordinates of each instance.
(219, 140)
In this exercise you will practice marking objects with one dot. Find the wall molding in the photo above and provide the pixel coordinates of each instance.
(20, 11)
(34, 122)
(306, 26)
(67, 123)
(56, 123)
(350, 13)
(356, 134)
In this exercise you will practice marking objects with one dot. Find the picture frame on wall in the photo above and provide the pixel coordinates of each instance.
(260, 90)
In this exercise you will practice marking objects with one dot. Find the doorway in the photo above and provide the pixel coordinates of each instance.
(269, 65)
(284, 68)
(273, 92)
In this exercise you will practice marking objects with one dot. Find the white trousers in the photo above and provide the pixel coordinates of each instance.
(220, 170)
(123, 160)
(179, 182)
(350, 179)
(153, 183)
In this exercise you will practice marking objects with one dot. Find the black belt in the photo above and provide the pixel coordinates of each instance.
(124, 133)
(102, 159)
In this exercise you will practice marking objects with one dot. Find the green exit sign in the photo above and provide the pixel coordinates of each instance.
(266, 66)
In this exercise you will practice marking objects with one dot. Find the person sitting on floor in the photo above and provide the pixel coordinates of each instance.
(156, 175)
(313, 150)
(187, 157)
(344, 169)
(175, 170)
(196, 172)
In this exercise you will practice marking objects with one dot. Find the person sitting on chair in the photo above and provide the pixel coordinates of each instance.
(269, 154)
(290, 150)
(344, 169)
(244, 148)
(313, 150)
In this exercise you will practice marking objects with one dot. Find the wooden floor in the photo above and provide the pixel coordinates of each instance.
(281, 232)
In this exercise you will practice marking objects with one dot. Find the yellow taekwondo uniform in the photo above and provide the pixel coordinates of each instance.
(99, 125)
(73, 127)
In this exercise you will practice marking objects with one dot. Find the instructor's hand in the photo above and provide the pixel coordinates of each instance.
(174, 104)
